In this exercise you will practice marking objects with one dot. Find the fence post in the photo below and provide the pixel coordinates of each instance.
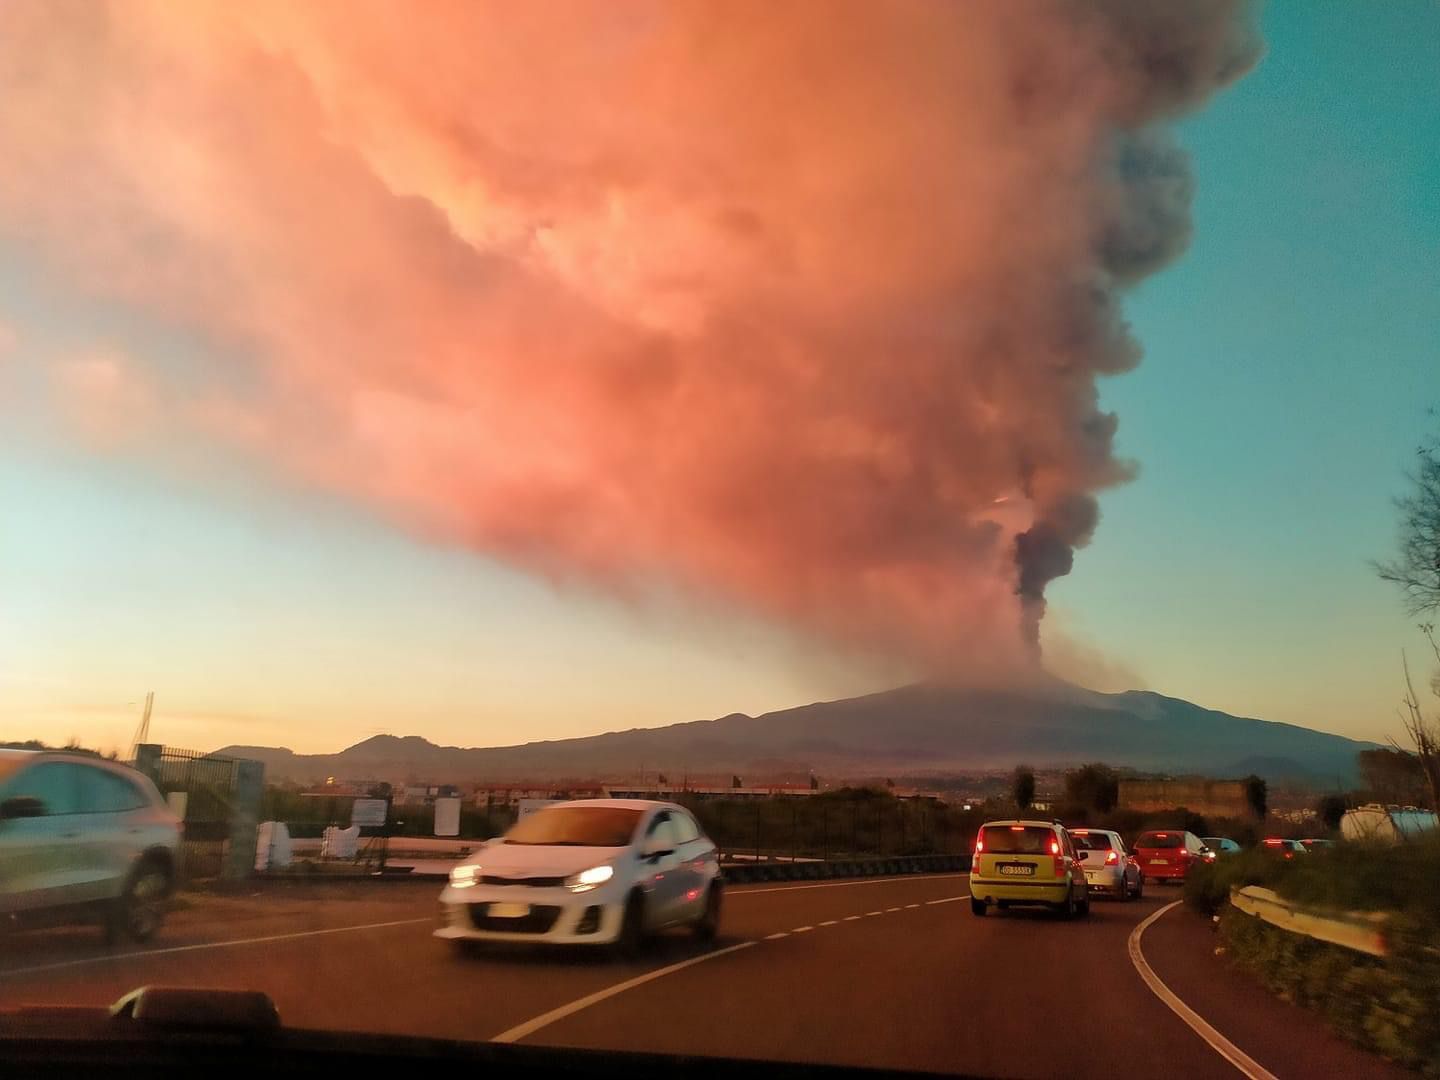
(824, 832)
(757, 830)
(249, 789)
(794, 829)
(879, 829)
(147, 760)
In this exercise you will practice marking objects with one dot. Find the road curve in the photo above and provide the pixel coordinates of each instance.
(894, 973)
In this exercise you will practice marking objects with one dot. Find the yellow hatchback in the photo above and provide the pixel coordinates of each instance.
(1027, 862)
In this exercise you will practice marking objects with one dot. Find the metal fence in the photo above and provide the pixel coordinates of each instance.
(820, 828)
(217, 799)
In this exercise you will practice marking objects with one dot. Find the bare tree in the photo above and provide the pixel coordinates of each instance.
(1424, 731)
(1416, 566)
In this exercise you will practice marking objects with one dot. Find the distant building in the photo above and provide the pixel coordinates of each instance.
(1212, 798)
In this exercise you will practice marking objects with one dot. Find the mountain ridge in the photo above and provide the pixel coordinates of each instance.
(920, 728)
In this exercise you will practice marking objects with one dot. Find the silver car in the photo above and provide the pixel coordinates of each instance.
(588, 872)
(1108, 864)
(82, 838)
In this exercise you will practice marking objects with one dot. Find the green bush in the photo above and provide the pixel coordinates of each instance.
(1387, 1004)
(1208, 885)
(1383, 1004)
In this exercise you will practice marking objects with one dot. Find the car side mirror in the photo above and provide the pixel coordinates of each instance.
(651, 852)
(21, 806)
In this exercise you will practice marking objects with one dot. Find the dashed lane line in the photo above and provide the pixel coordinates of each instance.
(829, 922)
(544, 1020)
(1221, 1045)
(529, 1027)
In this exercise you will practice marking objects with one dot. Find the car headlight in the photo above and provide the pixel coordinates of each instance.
(589, 879)
(462, 877)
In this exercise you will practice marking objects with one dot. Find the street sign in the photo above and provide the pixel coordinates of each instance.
(447, 817)
(368, 813)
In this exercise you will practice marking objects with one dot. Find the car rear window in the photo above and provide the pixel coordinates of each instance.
(1092, 841)
(1016, 839)
(1161, 840)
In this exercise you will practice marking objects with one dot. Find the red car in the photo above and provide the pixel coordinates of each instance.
(1168, 854)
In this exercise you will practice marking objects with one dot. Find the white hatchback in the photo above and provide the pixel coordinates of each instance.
(1108, 865)
(589, 872)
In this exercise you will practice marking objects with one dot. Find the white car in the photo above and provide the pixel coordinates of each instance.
(83, 839)
(1108, 864)
(588, 872)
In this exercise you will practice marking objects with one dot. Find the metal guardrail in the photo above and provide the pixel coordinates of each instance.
(745, 873)
(1362, 931)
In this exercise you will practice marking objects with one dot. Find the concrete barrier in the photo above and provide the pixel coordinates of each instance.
(747, 873)
(1362, 931)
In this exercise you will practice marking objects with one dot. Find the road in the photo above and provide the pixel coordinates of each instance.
(890, 972)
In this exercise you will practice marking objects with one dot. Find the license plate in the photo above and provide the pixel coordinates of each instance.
(508, 911)
(1017, 870)
(1159, 862)
(1091, 875)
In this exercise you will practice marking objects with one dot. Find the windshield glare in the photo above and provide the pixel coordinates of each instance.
(576, 826)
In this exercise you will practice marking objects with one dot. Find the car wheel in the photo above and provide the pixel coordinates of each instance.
(708, 925)
(1139, 886)
(632, 928)
(977, 907)
(1083, 905)
(140, 910)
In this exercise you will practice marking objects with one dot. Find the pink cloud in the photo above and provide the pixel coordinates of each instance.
(768, 302)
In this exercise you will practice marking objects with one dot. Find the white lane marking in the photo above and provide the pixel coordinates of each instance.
(802, 929)
(777, 936)
(739, 890)
(529, 1027)
(829, 922)
(948, 899)
(890, 909)
(144, 953)
(908, 906)
(874, 913)
(1221, 1045)
(853, 918)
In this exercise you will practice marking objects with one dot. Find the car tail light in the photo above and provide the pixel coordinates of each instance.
(1111, 859)
(1054, 847)
(979, 844)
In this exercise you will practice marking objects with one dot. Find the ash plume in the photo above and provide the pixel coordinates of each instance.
(797, 308)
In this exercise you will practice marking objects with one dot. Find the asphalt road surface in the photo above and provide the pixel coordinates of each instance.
(893, 973)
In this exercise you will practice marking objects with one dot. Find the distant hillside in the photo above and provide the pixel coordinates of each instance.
(915, 729)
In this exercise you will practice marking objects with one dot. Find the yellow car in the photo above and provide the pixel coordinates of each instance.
(1027, 862)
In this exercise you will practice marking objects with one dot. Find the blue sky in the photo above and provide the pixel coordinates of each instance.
(1291, 355)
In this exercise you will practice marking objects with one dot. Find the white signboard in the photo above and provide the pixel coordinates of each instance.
(447, 817)
(368, 813)
(527, 807)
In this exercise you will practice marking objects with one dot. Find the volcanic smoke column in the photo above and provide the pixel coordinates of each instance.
(793, 308)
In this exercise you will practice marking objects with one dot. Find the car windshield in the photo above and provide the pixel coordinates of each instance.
(1017, 839)
(1214, 842)
(647, 525)
(1161, 840)
(578, 826)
